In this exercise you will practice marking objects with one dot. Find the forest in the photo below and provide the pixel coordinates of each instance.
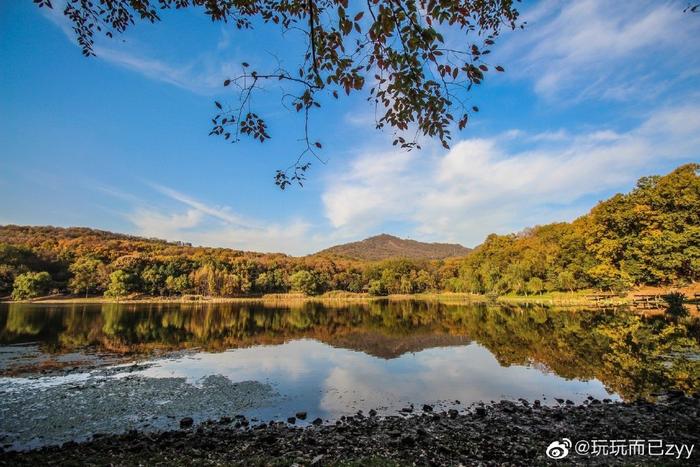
(649, 236)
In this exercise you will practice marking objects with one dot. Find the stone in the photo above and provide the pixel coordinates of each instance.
(186, 422)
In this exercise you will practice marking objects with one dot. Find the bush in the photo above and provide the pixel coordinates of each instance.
(306, 282)
(120, 284)
(31, 285)
(675, 308)
(376, 288)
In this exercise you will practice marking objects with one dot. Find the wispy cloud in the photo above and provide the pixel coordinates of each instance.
(480, 186)
(180, 216)
(194, 226)
(202, 74)
(600, 49)
(221, 213)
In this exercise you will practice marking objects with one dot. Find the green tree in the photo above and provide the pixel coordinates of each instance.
(424, 281)
(154, 278)
(89, 274)
(535, 285)
(179, 284)
(306, 282)
(31, 285)
(120, 284)
(566, 281)
(377, 288)
(15, 260)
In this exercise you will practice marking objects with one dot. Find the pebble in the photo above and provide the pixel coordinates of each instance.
(512, 434)
(186, 422)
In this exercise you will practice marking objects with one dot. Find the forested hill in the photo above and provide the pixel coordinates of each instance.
(387, 246)
(649, 236)
(80, 241)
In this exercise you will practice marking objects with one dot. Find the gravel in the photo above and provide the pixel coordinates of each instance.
(503, 433)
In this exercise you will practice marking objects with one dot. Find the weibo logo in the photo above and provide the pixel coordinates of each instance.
(558, 449)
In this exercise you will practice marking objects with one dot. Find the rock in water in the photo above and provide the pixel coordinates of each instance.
(186, 422)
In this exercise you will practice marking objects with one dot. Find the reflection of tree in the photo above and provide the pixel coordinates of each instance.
(632, 355)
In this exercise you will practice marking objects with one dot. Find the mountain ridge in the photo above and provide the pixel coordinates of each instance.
(385, 246)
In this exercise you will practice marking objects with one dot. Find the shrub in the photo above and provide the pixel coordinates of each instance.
(31, 285)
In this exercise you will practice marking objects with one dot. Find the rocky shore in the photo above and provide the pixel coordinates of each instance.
(504, 433)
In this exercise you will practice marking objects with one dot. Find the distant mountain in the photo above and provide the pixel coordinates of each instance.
(387, 246)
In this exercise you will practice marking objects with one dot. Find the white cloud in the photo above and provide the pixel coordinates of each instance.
(221, 213)
(602, 49)
(186, 218)
(480, 186)
(152, 223)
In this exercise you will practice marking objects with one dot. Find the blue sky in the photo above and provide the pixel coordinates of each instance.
(595, 94)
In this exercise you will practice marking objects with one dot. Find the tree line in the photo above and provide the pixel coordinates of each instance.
(649, 236)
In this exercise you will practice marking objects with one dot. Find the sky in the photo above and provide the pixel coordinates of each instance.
(595, 95)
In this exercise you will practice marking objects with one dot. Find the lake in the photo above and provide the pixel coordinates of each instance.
(70, 371)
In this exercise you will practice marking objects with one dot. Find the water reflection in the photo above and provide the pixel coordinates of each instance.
(490, 350)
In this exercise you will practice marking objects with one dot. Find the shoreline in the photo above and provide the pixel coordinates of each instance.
(500, 433)
(560, 299)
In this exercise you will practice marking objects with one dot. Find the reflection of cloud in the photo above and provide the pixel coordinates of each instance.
(467, 373)
(340, 381)
(485, 185)
(248, 364)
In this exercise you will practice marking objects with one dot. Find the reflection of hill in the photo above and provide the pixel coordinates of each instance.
(632, 355)
(380, 330)
(387, 347)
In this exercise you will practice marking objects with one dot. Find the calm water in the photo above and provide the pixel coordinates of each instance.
(69, 371)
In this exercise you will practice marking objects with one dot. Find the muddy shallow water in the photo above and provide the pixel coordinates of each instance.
(115, 368)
